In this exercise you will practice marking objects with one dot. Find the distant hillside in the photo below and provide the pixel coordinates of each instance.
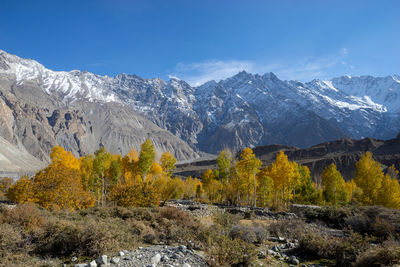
(344, 153)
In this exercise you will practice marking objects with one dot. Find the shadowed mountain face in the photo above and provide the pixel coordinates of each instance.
(40, 108)
(344, 153)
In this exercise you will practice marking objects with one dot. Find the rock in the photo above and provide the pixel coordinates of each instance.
(294, 260)
(261, 255)
(140, 248)
(275, 248)
(271, 252)
(182, 248)
(164, 258)
(186, 265)
(92, 264)
(281, 239)
(155, 259)
(74, 259)
(115, 260)
(121, 253)
(80, 265)
(102, 260)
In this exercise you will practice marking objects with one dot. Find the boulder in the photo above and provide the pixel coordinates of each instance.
(155, 259)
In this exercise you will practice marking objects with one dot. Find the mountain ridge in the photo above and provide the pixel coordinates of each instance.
(240, 111)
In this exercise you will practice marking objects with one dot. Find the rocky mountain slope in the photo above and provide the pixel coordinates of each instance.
(36, 119)
(343, 152)
(81, 110)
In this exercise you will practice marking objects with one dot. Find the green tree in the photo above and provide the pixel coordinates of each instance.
(265, 187)
(305, 190)
(146, 157)
(101, 163)
(334, 191)
(224, 162)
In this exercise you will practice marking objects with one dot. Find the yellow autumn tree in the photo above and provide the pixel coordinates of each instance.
(389, 193)
(190, 187)
(172, 188)
(283, 173)
(129, 166)
(247, 168)
(59, 187)
(5, 183)
(351, 190)
(207, 180)
(265, 187)
(60, 156)
(22, 191)
(368, 178)
(168, 162)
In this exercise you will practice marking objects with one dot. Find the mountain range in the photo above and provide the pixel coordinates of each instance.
(79, 110)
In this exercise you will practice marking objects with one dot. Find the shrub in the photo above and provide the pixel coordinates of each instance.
(249, 234)
(224, 251)
(316, 247)
(226, 220)
(331, 216)
(28, 216)
(11, 240)
(288, 228)
(86, 238)
(382, 256)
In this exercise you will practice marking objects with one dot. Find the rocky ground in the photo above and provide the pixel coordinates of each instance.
(157, 255)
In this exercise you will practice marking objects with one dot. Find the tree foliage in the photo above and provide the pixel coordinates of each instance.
(334, 186)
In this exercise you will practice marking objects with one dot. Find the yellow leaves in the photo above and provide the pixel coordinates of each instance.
(190, 187)
(389, 193)
(168, 162)
(368, 178)
(59, 156)
(59, 187)
(5, 183)
(350, 187)
(22, 191)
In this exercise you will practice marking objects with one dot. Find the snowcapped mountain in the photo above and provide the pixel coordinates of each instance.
(243, 110)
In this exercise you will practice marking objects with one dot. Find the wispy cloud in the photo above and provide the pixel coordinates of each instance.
(304, 70)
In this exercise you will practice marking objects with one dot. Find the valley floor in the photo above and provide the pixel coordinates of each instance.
(187, 233)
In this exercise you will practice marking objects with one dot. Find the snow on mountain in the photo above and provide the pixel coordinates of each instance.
(70, 84)
(384, 91)
(243, 110)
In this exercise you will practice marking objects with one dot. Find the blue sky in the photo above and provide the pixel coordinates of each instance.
(208, 39)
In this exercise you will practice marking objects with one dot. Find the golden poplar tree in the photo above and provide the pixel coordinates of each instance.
(248, 167)
(283, 173)
(168, 162)
(389, 193)
(22, 191)
(265, 187)
(59, 187)
(368, 178)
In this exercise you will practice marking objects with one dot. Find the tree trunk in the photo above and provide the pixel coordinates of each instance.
(254, 187)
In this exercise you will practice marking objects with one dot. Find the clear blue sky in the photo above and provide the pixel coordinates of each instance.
(207, 39)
